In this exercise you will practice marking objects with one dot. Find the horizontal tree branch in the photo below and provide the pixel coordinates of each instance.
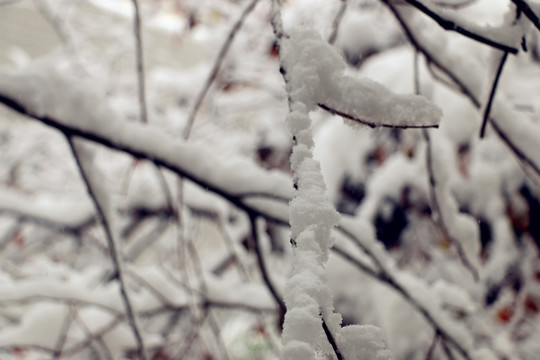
(452, 26)
(372, 124)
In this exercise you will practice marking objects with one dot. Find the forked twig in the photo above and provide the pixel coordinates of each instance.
(431, 350)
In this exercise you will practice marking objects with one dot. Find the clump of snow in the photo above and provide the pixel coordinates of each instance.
(39, 326)
(315, 73)
(363, 342)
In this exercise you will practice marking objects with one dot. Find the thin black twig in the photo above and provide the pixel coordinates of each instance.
(331, 340)
(431, 349)
(215, 68)
(139, 55)
(447, 351)
(114, 251)
(106, 352)
(337, 21)
(372, 124)
(437, 214)
(523, 6)
(60, 343)
(492, 94)
(100, 137)
(452, 26)
(386, 277)
(262, 266)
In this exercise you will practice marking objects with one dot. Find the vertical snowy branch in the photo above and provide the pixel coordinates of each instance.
(312, 217)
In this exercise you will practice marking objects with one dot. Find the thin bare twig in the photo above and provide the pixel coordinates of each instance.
(262, 265)
(331, 340)
(193, 334)
(61, 31)
(447, 351)
(215, 68)
(60, 343)
(337, 21)
(431, 349)
(99, 340)
(140, 62)
(141, 86)
(492, 94)
(372, 124)
(437, 214)
(523, 6)
(214, 326)
(115, 253)
(452, 26)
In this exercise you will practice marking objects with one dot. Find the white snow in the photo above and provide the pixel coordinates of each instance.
(316, 76)
(84, 107)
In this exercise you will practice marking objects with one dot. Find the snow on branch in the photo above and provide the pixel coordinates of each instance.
(52, 212)
(519, 134)
(319, 80)
(82, 112)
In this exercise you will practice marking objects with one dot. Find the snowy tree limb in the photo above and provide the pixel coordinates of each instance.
(522, 139)
(139, 143)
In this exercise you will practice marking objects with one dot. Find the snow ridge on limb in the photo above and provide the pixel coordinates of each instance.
(80, 109)
(319, 80)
